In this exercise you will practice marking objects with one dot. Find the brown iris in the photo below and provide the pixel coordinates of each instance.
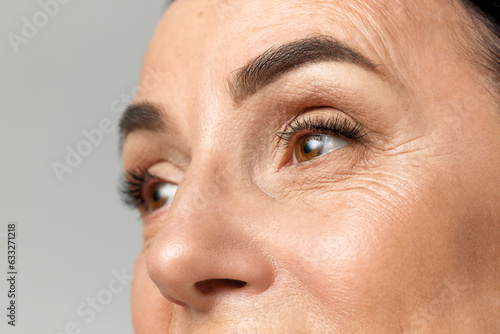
(313, 145)
(308, 147)
(159, 194)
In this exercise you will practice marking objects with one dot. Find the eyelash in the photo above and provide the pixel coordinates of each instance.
(133, 182)
(132, 185)
(335, 126)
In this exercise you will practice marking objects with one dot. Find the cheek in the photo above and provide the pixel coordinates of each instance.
(380, 249)
(151, 313)
(351, 261)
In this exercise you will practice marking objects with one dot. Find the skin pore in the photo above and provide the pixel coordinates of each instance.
(392, 226)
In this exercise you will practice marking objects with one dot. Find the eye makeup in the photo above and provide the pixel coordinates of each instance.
(335, 125)
(132, 186)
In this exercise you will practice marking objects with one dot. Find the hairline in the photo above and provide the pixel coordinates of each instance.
(482, 45)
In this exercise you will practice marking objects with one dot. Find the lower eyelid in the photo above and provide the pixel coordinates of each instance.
(342, 156)
(148, 216)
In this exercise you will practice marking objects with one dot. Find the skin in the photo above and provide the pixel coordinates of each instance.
(394, 233)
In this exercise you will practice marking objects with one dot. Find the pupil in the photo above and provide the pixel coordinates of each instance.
(308, 148)
(156, 196)
(311, 145)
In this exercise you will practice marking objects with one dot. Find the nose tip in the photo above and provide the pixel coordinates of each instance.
(207, 251)
(201, 271)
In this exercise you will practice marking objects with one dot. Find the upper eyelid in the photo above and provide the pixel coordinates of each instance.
(132, 185)
(352, 129)
(298, 124)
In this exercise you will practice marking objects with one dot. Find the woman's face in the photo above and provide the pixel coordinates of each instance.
(335, 169)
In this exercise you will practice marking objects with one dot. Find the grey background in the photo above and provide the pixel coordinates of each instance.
(71, 234)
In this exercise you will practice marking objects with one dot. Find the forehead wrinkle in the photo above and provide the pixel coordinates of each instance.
(413, 39)
(379, 31)
(364, 26)
(387, 31)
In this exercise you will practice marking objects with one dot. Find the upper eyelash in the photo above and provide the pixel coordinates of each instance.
(335, 125)
(132, 182)
(131, 185)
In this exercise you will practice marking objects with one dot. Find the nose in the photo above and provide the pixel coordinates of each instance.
(205, 251)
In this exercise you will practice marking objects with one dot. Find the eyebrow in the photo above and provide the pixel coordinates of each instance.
(141, 116)
(254, 76)
(278, 60)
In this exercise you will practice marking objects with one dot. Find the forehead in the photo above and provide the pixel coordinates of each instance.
(199, 43)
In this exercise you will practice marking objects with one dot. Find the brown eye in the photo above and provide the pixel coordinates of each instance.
(160, 194)
(314, 145)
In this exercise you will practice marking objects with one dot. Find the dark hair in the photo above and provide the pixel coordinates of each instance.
(490, 8)
(485, 16)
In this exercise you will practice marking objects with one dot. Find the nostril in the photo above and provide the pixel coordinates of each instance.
(211, 286)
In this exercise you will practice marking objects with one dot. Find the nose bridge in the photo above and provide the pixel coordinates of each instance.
(204, 184)
(203, 250)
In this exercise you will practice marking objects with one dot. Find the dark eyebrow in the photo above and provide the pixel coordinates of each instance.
(258, 73)
(141, 116)
(278, 60)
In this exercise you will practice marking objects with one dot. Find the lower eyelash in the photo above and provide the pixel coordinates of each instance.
(335, 125)
(132, 182)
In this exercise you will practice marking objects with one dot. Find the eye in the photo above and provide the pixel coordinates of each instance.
(159, 194)
(311, 146)
(324, 135)
(142, 190)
